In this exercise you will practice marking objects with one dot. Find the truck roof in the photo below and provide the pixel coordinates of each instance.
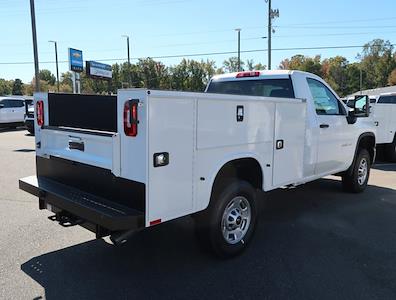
(256, 74)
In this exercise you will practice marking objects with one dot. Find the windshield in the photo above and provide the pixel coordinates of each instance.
(258, 87)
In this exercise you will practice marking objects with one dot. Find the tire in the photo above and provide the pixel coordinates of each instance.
(227, 225)
(390, 151)
(356, 178)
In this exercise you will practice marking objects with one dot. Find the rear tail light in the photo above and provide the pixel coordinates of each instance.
(248, 74)
(131, 118)
(40, 113)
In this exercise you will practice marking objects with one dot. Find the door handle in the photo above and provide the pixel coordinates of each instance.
(324, 126)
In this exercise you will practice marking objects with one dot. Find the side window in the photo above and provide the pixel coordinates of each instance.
(12, 103)
(387, 99)
(6, 103)
(325, 101)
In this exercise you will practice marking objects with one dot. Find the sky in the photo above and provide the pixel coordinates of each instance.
(159, 28)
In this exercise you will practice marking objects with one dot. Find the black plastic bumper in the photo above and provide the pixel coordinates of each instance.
(84, 206)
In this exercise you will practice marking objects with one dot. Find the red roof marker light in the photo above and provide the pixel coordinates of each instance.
(248, 74)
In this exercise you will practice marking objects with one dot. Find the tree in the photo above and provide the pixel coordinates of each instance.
(334, 71)
(47, 76)
(303, 63)
(392, 78)
(5, 87)
(353, 75)
(17, 87)
(377, 62)
(231, 65)
(250, 65)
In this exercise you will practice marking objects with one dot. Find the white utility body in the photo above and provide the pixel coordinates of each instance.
(116, 164)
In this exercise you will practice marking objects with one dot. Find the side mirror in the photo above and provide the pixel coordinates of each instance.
(351, 118)
(1, 105)
(361, 107)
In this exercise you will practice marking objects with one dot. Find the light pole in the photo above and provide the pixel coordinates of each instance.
(35, 51)
(129, 59)
(239, 47)
(56, 60)
(272, 14)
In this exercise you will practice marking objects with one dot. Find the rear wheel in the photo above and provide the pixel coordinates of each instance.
(227, 226)
(390, 151)
(356, 178)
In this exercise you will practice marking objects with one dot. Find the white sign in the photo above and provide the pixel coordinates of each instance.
(96, 69)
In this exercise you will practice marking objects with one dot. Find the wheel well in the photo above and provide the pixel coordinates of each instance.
(247, 169)
(368, 142)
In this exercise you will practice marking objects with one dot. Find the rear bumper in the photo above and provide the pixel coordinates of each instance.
(88, 208)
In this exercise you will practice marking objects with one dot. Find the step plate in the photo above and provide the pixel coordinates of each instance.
(89, 207)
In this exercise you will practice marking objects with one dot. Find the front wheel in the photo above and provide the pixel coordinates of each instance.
(227, 225)
(356, 178)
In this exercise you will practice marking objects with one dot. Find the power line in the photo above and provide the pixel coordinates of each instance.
(201, 54)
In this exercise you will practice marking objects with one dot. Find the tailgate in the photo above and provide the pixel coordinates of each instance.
(93, 148)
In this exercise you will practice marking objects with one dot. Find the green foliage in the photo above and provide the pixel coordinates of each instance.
(47, 76)
(392, 78)
(377, 62)
(17, 87)
(5, 87)
(231, 65)
(303, 63)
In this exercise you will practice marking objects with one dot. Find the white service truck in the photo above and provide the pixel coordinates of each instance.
(116, 164)
(384, 117)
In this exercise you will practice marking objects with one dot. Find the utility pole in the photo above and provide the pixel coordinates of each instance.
(361, 79)
(239, 48)
(129, 60)
(272, 14)
(35, 51)
(56, 59)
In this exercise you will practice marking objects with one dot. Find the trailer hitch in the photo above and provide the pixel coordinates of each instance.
(66, 220)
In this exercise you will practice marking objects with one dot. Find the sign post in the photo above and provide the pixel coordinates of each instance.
(76, 65)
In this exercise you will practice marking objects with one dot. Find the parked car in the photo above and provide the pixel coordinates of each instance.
(12, 112)
(145, 157)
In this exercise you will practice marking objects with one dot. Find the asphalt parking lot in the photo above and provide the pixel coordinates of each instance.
(313, 242)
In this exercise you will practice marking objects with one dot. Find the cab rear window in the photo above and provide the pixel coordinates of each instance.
(282, 88)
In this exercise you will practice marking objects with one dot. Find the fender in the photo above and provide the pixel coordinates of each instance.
(216, 169)
(363, 135)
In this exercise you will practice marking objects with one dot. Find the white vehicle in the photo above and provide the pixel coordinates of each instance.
(384, 117)
(12, 112)
(118, 164)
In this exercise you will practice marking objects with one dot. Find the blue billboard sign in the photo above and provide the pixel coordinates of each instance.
(76, 63)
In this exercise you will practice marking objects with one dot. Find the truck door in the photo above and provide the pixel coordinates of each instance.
(289, 143)
(334, 134)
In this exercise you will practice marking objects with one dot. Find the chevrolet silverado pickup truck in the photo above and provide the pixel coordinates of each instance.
(118, 164)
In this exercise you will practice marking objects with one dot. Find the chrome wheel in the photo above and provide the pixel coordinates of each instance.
(362, 171)
(236, 220)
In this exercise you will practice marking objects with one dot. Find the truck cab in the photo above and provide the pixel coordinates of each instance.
(331, 133)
